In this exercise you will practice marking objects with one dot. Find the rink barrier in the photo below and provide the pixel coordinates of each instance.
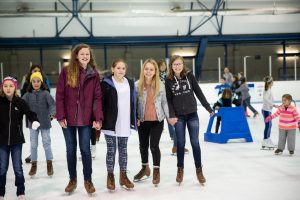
(234, 125)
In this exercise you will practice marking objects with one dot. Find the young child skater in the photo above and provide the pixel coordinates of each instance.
(78, 109)
(119, 109)
(288, 119)
(180, 89)
(246, 98)
(152, 110)
(267, 111)
(42, 103)
(12, 109)
(225, 101)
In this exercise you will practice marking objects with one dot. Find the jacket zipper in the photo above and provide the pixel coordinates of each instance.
(9, 123)
(77, 102)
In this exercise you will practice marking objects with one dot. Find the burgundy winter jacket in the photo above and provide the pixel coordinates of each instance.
(82, 105)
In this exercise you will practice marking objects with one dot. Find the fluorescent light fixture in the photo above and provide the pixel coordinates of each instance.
(185, 52)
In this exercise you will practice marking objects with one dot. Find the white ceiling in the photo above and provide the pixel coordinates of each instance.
(21, 18)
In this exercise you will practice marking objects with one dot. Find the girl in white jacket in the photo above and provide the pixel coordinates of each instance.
(266, 111)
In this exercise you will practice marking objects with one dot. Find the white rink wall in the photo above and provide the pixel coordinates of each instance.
(279, 88)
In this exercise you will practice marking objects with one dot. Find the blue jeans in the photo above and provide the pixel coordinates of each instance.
(16, 156)
(84, 135)
(268, 125)
(171, 131)
(34, 141)
(192, 122)
(172, 134)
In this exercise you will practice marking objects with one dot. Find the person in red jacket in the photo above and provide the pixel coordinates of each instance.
(78, 109)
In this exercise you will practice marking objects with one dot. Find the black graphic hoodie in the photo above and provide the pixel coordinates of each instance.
(180, 95)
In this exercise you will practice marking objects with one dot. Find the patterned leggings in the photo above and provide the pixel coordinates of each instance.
(111, 152)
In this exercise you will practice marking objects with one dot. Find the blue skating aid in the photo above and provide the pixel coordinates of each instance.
(234, 125)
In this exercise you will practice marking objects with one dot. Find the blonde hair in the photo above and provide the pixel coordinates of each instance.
(155, 83)
(73, 67)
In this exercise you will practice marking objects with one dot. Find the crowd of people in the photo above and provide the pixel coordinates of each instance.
(84, 105)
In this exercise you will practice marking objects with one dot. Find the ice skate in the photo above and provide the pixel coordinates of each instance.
(156, 176)
(93, 151)
(291, 153)
(33, 169)
(143, 174)
(71, 186)
(125, 182)
(267, 145)
(1, 198)
(28, 159)
(50, 171)
(278, 152)
(110, 184)
(89, 187)
(179, 176)
(200, 176)
(174, 151)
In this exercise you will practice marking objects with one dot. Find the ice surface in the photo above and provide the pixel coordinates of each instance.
(236, 170)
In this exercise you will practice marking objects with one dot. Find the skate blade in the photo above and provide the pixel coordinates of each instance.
(50, 176)
(32, 176)
(267, 148)
(155, 185)
(70, 193)
(126, 188)
(142, 179)
(91, 194)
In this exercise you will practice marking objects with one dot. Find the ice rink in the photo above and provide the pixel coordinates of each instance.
(236, 170)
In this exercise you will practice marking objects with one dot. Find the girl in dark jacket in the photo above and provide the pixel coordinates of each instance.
(180, 89)
(226, 100)
(78, 108)
(119, 108)
(12, 109)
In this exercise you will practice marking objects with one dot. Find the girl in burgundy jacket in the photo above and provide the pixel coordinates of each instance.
(79, 108)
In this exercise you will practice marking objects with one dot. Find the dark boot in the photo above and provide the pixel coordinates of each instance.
(156, 176)
(124, 181)
(145, 171)
(71, 186)
(179, 176)
(110, 184)
(28, 159)
(200, 175)
(50, 171)
(33, 169)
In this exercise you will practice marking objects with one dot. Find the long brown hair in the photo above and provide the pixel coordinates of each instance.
(227, 94)
(155, 84)
(171, 72)
(73, 67)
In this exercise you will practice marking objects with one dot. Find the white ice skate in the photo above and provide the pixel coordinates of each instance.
(93, 151)
(267, 145)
